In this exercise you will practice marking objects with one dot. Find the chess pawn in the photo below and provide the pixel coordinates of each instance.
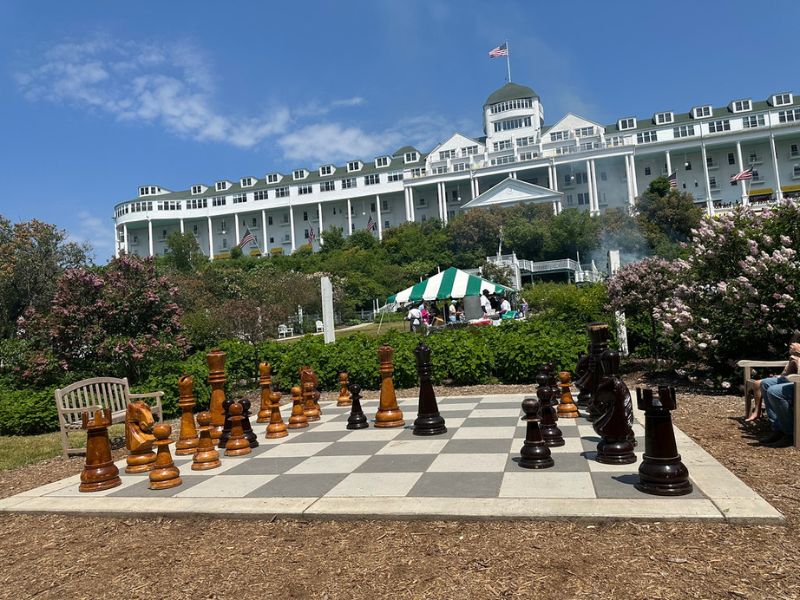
(216, 379)
(661, 471)
(389, 414)
(225, 434)
(265, 381)
(310, 408)
(207, 456)
(429, 421)
(357, 418)
(99, 471)
(237, 444)
(139, 437)
(534, 454)
(344, 393)
(546, 393)
(276, 428)
(298, 419)
(247, 428)
(567, 409)
(165, 475)
(187, 439)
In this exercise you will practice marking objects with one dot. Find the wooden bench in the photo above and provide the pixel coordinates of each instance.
(748, 366)
(108, 392)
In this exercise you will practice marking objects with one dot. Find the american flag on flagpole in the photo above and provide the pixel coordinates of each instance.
(247, 238)
(371, 224)
(501, 50)
(742, 175)
(673, 180)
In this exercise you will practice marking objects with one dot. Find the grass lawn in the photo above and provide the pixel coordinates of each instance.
(17, 450)
(372, 328)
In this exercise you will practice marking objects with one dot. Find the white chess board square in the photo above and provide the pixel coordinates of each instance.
(226, 486)
(375, 484)
(541, 483)
(413, 447)
(571, 444)
(229, 462)
(452, 406)
(328, 464)
(72, 490)
(485, 433)
(469, 463)
(486, 413)
(372, 435)
(454, 422)
(586, 431)
(293, 450)
(337, 426)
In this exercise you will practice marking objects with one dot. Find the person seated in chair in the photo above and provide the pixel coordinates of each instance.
(778, 395)
(789, 369)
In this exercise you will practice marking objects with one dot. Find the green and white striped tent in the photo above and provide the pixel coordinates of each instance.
(451, 283)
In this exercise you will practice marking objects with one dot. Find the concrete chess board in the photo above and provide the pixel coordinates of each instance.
(471, 471)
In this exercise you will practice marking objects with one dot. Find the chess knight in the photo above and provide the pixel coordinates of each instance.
(139, 438)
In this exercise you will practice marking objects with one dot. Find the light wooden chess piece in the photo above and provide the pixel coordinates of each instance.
(389, 414)
(216, 379)
(567, 409)
(276, 428)
(139, 438)
(207, 456)
(165, 475)
(344, 392)
(237, 444)
(298, 419)
(99, 472)
(187, 439)
(265, 380)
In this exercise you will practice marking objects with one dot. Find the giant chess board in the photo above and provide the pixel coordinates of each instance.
(471, 471)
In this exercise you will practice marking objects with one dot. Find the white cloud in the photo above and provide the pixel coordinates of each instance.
(95, 231)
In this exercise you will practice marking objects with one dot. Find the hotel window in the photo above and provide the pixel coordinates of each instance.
(239, 198)
(269, 220)
(382, 161)
(418, 172)
(710, 162)
(584, 131)
(796, 172)
(326, 170)
(583, 198)
(327, 186)
(459, 167)
(445, 154)
(510, 124)
(353, 165)
(411, 157)
(423, 218)
(224, 243)
(441, 170)
(663, 118)
(569, 199)
(285, 218)
(511, 105)
(218, 201)
(629, 123)
(299, 174)
(719, 126)
(683, 131)
(260, 195)
(384, 205)
(645, 137)
(789, 116)
(741, 105)
(617, 140)
(504, 145)
(371, 207)
(503, 160)
(712, 182)
(197, 189)
(197, 203)
(569, 180)
(731, 158)
(349, 183)
(305, 215)
(453, 195)
(603, 176)
(221, 186)
(282, 192)
(395, 176)
(469, 151)
(702, 111)
(525, 156)
(581, 178)
(752, 121)
(386, 224)
(372, 179)
(271, 239)
(222, 227)
(272, 178)
(247, 181)
(781, 99)
(794, 150)
(754, 158)
(304, 189)
(254, 222)
(194, 229)
(757, 177)
(647, 170)
(557, 136)
(421, 203)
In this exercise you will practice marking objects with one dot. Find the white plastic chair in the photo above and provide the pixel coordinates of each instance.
(284, 331)
(320, 327)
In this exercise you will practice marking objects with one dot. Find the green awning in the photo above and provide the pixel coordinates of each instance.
(451, 283)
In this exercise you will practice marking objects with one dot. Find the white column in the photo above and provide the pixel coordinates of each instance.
(592, 199)
(150, 236)
(778, 191)
(265, 242)
(633, 176)
(408, 208)
(440, 196)
(742, 184)
(477, 191)
(116, 241)
(380, 220)
(629, 178)
(709, 201)
(513, 174)
(125, 233)
(669, 163)
(291, 226)
(595, 191)
(411, 203)
(236, 227)
(319, 228)
(349, 217)
(210, 241)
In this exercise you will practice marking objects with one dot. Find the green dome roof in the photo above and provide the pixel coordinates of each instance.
(510, 91)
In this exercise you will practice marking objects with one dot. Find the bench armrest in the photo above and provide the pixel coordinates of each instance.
(761, 363)
(793, 378)
(147, 395)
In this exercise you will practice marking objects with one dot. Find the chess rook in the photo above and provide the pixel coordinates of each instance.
(247, 428)
(99, 471)
(187, 438)
(546, 394)
(165, 475)
(216, 379)
(276, 428)
(534, 454)
(344, 394)
(567, 409)
(237, 444)
(357, 418)
(661, 472)
(298, 419)
(429, 421)
(265, 382)
(139, 438)
(389, 414)
(207, 456)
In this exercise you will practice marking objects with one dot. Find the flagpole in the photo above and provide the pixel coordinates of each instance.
(508, 61)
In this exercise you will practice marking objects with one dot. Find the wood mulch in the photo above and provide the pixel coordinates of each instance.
(53, 556)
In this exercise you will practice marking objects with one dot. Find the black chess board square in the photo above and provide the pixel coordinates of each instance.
(298, 486)
(457, 485)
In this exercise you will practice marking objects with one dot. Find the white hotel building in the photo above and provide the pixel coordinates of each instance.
(574, 163)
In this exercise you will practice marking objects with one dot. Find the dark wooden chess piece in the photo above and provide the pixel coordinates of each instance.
(99, 471)
(247, 428)
(225, 434)
(310, 409)
(187, 438)
(276, 428)
(165, 475)
(615, 446)
(567, 409)
(216, 379)
(237, 444)
(389, 414)
(207, 456)
(581, 379)
(661, 471)
(265, 381)
(429, 421)
(546, 393)
(139, 437)
(357, 418)
(598, 343)
(298, 419)
(534, 454)
(344, 394)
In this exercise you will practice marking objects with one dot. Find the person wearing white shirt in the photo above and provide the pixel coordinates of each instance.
(485, 304)
(505, 306)
(415, 316)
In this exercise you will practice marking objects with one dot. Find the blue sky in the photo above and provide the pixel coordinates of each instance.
(100, 97)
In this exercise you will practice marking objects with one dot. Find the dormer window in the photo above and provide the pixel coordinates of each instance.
(353, 165)
(581, 132)
(782, 99)
(197, 189)
(221, 186)
(663, 118)
(738, 106)
(149, 190)
(699, 112)
(326, 170)
(411, 157)
(445, 154)
(382, 161)
(272, 178)
(629, 123)
(246, 181)
(299, 174)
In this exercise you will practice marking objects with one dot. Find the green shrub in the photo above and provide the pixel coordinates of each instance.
(572, 304)
(28, 411)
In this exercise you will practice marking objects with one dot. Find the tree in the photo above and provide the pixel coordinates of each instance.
(474, 235)
(666, 216)
(333, 239)
(184, 252)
